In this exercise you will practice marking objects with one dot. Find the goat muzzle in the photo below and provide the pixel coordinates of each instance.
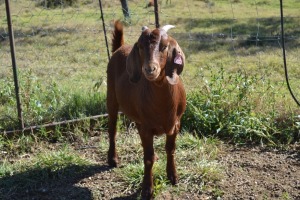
(151, 71)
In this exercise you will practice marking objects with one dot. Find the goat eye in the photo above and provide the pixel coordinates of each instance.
(163, 48)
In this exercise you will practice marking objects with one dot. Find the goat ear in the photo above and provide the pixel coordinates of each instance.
(175, 63)
(133, 64)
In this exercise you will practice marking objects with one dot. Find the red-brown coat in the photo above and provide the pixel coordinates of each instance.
(143, 83)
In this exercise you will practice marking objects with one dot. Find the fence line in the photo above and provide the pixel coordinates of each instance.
(284, 56)
(104, 29)
(53, 124)
(14, 65)
(66, 51)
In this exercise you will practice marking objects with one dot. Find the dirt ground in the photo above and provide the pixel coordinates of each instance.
(249, 173)
(256, 173)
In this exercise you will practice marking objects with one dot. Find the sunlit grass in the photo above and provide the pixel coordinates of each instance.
(195, 158)
(28, 162)
(61, 52)
(36, 171)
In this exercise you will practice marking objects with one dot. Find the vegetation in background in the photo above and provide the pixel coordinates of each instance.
(237, 107)
(234, 76)
(240, 108)
(44, 104)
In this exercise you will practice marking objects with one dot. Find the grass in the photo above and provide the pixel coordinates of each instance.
(41, 172)
(34, 167)
(222, 107)
(53, 160)
(227, 44)
(44, 104)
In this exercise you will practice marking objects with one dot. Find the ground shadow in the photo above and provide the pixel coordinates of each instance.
(46, 183)
(28, 36)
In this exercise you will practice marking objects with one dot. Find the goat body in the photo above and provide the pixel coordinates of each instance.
(143, 83)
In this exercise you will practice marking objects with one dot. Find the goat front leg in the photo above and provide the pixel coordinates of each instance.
(149, 158)
(170, 149)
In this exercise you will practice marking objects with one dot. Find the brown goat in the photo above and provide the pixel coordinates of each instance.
(143, 83)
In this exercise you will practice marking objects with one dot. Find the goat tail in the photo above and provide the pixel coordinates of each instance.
(118, 36)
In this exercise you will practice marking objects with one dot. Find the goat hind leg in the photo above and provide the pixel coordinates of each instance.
(112, 132)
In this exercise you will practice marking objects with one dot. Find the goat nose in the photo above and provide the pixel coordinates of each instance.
(150, 69)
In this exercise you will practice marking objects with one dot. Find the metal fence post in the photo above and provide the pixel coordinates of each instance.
(284, 55)
(14, 65)
(156, 14)
(104, 29)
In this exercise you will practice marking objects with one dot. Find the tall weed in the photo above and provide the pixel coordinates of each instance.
(7, 104)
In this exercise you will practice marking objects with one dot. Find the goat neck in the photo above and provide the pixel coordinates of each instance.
(162, 101)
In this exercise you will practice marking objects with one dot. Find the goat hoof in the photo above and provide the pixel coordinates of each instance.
(113, 162)
(173, 179)
(147, 194)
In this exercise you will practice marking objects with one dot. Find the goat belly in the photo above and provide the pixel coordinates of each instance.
(158, 122)
(131, 113)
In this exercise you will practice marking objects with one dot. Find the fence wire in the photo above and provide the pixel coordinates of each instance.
(61, 50)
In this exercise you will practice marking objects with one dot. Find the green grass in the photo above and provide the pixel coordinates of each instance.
(33, 163)
(41, 172)
(53, 160)
(61, 56)
(196, 164)
(44, 104)
(240, 108)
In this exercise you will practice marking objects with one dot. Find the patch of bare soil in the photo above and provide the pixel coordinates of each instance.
(255, 173)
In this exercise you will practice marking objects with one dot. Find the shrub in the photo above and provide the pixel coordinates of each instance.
(226, 107)
(44, 103)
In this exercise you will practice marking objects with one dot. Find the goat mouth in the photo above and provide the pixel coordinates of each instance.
(151, 76)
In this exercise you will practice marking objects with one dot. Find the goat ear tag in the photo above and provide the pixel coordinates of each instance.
(178, 59)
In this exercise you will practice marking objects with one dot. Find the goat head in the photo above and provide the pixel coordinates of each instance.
(155, 55)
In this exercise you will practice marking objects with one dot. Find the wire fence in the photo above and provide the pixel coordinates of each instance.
(61, 50)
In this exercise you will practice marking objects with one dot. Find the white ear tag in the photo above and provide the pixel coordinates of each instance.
(178, 59)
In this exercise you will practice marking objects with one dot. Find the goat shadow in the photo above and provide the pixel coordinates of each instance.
(44, 183)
